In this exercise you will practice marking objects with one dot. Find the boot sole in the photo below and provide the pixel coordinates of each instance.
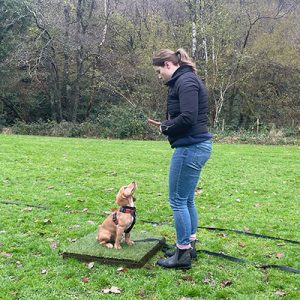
(175, 267)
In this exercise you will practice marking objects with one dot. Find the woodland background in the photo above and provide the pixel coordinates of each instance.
(87, 63)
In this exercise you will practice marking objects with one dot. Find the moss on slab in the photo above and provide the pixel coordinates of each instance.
(88, 249)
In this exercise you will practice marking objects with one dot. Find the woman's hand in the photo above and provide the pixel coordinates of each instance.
(153, 122)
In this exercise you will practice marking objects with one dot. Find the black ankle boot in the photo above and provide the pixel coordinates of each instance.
(180, 260)
(193, 251)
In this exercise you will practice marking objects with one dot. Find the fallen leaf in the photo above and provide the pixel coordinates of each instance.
(6, 254)
(109, 189)
(225, 283)
(85, 210)
(112, 290)
(53, 245)
(47, 221)
(76, 226)
(44, 271)
(50, 187)
(281, 244)
(72, 240)
(27, 209)
(187, 278)
(85, 280)
(246, 229)
(279, 255)
(90, 265)
(90, 222)
(18, 264)
(68, 194)
(238, 200)
(256, 205)
(122, 270)
(222, 234)
(208, 279)
(141, 293)
(280, 293)
(241, 244)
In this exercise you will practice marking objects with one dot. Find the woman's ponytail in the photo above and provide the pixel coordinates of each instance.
(184, 59)
(180, 57)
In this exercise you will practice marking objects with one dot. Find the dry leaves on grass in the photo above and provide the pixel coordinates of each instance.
(187, 278)
(90, 265)
(122, 270)
(112, 290)
(226, 283)
(85, 280)
(53, 243)
(6, 254)
(279, 255)
(47, 221)
(209, 279)
(27, 209)
(280, 293)
(141, 293)
(19, 264)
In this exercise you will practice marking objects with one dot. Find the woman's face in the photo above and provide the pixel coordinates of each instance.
(165, 73)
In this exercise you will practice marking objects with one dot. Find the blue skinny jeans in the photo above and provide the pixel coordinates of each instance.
(185, 168)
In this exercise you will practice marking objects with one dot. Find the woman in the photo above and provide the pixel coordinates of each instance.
(187, 132)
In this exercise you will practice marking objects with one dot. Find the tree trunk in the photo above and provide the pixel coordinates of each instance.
(79, 54)
(66, 79)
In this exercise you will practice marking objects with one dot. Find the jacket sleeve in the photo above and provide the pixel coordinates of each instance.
(187, 90)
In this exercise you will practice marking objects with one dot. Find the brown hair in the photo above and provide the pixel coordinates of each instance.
(180, 57)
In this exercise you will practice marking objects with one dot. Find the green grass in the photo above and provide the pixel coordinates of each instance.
(244, 187)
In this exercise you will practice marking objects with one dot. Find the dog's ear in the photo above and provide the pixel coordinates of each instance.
(121, 199)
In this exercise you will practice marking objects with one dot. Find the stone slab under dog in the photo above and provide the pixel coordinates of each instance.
(88, 249)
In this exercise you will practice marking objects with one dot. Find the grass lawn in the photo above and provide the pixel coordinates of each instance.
(244, 187)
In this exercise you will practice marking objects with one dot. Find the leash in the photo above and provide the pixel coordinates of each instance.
(232, 258)
(166, 247)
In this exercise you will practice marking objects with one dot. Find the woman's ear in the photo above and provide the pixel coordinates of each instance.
(167, 64)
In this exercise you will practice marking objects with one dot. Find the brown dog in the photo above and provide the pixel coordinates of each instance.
(113, 227)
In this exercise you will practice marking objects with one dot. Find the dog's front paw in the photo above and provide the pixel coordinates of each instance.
(129, 242)
(118, 247)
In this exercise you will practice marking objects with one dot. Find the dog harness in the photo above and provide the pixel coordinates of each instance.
(126, 210)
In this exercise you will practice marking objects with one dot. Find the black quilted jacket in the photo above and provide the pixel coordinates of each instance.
(187, 105)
